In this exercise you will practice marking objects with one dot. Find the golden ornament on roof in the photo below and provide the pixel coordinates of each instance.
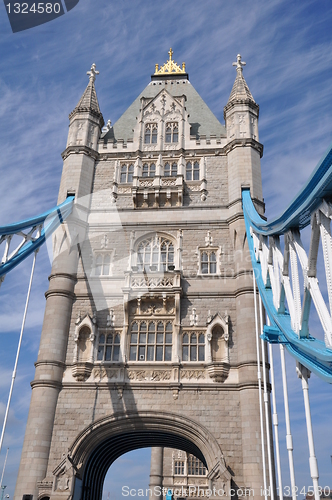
(170, 66)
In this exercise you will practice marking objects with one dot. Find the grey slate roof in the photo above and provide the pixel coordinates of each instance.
(201, 118)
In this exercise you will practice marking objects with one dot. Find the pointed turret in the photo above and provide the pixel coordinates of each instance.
(89, 100)
(241, 117)
(85, 125)
(240, 91)
(86, 120)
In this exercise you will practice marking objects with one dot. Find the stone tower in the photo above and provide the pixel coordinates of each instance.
(148, 336)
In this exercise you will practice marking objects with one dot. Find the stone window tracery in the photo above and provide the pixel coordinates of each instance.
(193, 346)
(192, 171)
(127, 172)
(151, 341)
(108, 347)
(149, 170)
(155, 254)
(151, 133)
(172, 132)
(170, 170)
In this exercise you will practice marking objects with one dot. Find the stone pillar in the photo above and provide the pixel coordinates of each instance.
(156, 473)
(48, 377)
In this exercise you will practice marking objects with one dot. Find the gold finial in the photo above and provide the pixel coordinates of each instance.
(170, 66)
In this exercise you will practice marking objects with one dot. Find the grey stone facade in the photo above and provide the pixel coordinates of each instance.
(149, 335)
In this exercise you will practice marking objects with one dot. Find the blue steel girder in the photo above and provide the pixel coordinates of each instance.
(33, 233)
(278, 284)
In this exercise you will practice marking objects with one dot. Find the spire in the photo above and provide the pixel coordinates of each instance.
(240, 90)
(89, 101)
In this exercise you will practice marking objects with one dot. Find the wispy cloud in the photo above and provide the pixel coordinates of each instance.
(287, 47)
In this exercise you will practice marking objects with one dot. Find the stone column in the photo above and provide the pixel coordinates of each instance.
(156, 473)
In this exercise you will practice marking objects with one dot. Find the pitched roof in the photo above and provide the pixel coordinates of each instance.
(201, 118)
(240, 91)
(88, 101)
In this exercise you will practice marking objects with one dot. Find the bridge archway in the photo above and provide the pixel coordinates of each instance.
(100, 444)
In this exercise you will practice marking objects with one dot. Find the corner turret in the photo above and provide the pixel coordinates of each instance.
(85, 125)
(244, 150)
(86, 120)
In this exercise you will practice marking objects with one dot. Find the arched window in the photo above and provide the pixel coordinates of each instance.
(108, 347)
(151, 133)
(172, 132)
(208, 262)
(127, 172)
(193, 347)
(170, 170)
(192, 171)
(151, 341)
(155, 254)
(149, 170)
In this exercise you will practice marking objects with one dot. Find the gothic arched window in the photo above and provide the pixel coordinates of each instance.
(193, 347)
(149, 170)
(172, 132)
(155, 254)
(192, 171)
(127, 172)
(108, 347)
(151, 341)
(170, 170)
(151, 133)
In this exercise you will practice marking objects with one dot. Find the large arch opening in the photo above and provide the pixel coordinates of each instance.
(105, 454)
(99, 445)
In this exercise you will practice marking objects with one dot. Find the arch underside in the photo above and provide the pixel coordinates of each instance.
(111, 449)
(100, 444)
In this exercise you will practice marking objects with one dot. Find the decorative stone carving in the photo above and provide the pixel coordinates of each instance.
(149, 375)
(154, 282)
(218, 353)
(102, 372)
(192, 374)
(85, 332)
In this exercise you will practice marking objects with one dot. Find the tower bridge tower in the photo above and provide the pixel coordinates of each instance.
(149, 336)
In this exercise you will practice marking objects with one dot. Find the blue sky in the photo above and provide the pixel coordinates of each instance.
(288, 50)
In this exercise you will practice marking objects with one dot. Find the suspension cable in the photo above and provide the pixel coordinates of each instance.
(259, 376)
(275, 419)
(18, 350)
(266, 404)
(289, 439)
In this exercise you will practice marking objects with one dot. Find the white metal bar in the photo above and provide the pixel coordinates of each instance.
(275, 420)
(321, 308)
(266, 406)
(304, 374)
(4, 467)
(295, 285)
(259, 376)
(289, 439)
(325, 232)
(18, 351)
